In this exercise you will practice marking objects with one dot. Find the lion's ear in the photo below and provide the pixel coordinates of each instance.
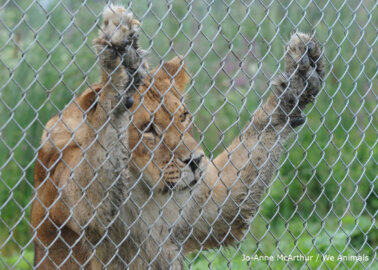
(175, 69)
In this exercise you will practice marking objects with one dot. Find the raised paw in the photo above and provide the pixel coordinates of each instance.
(117, 47)
(303, 53)
(119, 27)
(302, 80)
(304, 72)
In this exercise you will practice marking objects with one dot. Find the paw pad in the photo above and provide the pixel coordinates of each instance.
(119, 27)
(304, 71)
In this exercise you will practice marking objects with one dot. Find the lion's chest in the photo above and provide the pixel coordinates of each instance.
(113, 161)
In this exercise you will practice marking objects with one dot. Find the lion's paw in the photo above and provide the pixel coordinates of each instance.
(303, 77)
(117, 45)
(119, 27)
(119, 35)
(304, 67)
(302, 81)
(304, 52)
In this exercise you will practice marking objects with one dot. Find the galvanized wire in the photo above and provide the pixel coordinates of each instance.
(322, 202)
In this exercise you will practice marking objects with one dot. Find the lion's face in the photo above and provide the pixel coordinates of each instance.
(160, 139)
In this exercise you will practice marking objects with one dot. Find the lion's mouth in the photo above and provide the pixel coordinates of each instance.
(189, 178)
(174, 186)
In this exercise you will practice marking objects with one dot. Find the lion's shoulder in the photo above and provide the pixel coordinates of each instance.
(65, 131)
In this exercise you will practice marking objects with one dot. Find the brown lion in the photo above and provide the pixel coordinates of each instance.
(121, 182)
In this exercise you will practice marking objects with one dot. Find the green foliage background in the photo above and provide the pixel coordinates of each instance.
(324, 198)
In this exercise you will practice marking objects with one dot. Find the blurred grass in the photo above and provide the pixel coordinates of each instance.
(323, 199)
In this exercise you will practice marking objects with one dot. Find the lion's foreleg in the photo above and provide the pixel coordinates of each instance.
(100, 179)
(237, 179)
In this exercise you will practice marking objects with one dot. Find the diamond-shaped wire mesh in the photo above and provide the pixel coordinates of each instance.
(319, 208)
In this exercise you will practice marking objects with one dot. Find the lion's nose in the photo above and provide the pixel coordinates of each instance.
(193, 162)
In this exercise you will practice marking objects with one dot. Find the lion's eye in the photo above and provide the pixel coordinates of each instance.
(148, 128)
(184, 117)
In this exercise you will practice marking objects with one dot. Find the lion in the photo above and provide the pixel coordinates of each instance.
(121, 182)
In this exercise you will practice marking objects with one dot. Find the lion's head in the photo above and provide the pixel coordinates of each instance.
(160, 136)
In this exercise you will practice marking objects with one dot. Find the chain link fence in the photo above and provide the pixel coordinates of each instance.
(318, 211)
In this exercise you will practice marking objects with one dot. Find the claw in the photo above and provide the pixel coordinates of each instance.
(102, 42)
(311, 46)
(134, 21)
(305, 62)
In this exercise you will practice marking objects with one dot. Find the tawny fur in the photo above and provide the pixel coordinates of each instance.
(120, 188)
